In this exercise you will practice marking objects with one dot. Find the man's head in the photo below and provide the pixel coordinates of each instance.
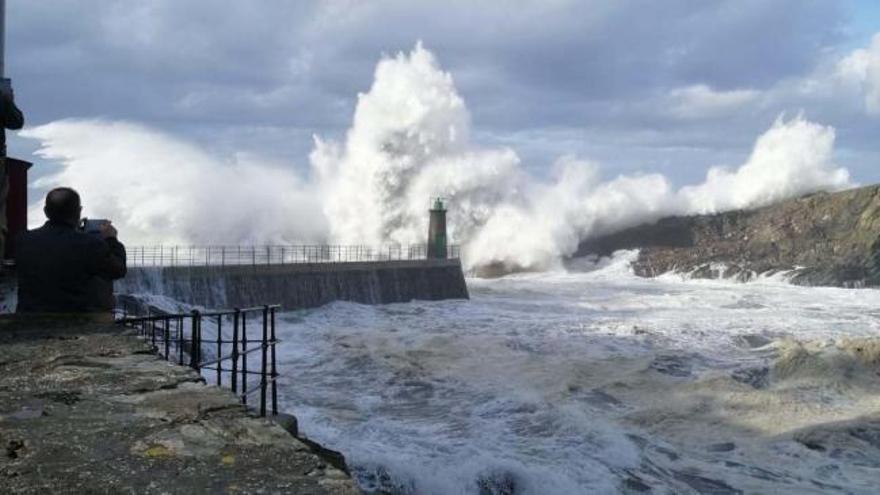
(62, 205)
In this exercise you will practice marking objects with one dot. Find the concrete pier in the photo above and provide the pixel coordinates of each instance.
(86, 408)
(299, 286)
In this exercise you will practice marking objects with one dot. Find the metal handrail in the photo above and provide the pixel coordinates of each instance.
(161, 255)
(168, 337)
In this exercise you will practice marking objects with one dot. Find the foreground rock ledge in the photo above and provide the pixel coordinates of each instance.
(87, 408)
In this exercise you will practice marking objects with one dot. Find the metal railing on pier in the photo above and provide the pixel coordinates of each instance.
(180, 338)
(144, 256)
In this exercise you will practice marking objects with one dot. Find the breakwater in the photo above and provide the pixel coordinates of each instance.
(299, 286)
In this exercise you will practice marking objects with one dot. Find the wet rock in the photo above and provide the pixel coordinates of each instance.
(289, 423)
(333, 457)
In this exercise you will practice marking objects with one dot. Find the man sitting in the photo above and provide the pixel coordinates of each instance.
(62, 269)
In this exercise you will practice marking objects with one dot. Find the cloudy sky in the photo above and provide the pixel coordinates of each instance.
(636, 85)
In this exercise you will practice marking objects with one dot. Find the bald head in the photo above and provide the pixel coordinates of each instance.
(63, 205)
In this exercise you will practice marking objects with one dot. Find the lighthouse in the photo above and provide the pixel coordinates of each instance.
(437, 229)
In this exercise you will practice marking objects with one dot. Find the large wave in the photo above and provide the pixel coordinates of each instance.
(159, 188)
(409, 141)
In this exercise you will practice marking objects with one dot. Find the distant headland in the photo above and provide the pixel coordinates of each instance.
(823, 239)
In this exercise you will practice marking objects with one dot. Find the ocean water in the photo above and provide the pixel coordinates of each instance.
(592, 380)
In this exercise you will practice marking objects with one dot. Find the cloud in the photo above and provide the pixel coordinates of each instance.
(861, 71)
(700, 101)
(661, 78)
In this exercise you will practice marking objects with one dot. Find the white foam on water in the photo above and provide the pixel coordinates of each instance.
(573, 382)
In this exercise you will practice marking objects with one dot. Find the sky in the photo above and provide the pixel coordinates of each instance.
(638, 86)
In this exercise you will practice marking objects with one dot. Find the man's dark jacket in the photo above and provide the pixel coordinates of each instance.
(59, 267)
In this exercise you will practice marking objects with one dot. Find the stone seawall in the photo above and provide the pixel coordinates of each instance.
(299, 286)
(86, 408)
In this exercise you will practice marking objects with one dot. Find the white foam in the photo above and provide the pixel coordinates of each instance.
(547, 377)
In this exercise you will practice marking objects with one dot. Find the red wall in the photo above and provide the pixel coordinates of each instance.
(16, 202)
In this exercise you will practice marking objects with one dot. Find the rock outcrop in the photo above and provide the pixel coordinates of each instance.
(821, 239)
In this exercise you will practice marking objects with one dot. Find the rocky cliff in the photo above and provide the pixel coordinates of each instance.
(821, 239)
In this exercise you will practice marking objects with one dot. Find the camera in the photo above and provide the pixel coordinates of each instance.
(6, 86)
(92, 225)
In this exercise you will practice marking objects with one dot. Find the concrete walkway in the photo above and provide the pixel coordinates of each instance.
(85, 408)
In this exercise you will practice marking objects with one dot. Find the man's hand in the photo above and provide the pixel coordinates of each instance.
(6, 88)
(107, 230)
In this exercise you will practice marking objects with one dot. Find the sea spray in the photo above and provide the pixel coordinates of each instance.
(409, 141)
(161, 189)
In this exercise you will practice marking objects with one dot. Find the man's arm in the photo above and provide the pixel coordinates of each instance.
(117, 265)
(109, 258)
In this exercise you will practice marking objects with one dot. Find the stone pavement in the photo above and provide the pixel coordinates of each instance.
(87, 408)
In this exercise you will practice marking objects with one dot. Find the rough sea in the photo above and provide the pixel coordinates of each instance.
(592, 380)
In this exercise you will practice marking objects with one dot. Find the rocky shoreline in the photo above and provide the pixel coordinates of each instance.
(89, 408)
(823, 239)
